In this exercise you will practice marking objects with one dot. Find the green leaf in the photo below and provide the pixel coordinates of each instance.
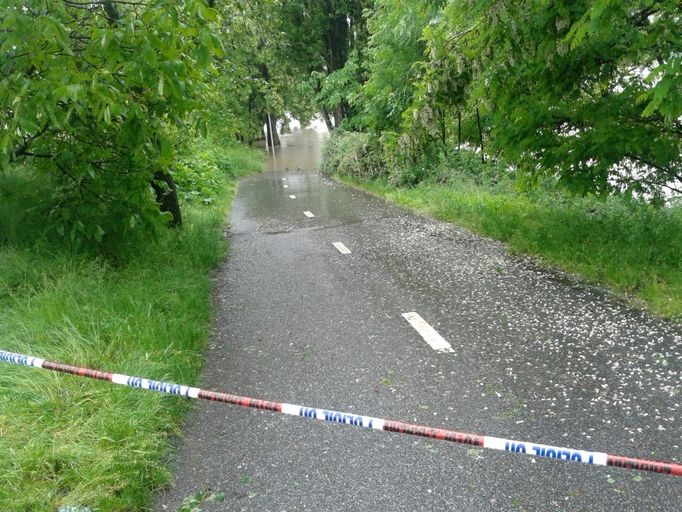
(216, 497)
(203, 56)
(165, 152)
(28, 125)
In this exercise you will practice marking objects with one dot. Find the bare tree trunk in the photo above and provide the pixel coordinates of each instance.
(167, 196)
(480, 134)
(338, 116)
(272, 136)
(459, 130)
(443, 129)
(327, 120)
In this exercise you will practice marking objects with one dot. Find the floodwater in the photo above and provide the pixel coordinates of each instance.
(300, 150)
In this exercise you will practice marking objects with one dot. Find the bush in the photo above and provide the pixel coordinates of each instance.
(465, 166)
(354, 154)
(202, 168)
(31, 212)
(406, 162)
(38, 209)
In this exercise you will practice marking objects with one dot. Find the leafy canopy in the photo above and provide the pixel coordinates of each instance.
(93, 94)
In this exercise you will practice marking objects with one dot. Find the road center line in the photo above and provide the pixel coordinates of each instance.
(430, 335)
(308, 214)
(292, 196)
(341, 248)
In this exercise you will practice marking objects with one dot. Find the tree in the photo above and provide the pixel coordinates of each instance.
(321, 37)
(395, 50)
(589, 91)
(92, 94)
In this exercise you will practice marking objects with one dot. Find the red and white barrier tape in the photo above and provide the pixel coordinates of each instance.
(495, 443)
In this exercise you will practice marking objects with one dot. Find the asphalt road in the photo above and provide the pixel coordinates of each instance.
(535, 356)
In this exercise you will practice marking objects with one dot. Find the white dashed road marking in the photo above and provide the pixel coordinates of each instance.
(285, 186)
(308, 214)
(430, 335)
(342, 248)
(292, 196)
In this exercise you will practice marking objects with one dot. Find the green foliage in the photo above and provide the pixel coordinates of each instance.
(253, 78)
(194, 502)
(68, 441)
(202, 171)
(577, 89)
(285, 58)
(586, 92)
(366, 156)
(353, 154)
(409, 161)
(465, 167)
(343, 86)
(395, 47)
(22, 207)
(90, 94)
(323, 47)
(203, 168)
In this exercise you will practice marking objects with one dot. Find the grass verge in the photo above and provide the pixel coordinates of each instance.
(67, 441)
(633, 248)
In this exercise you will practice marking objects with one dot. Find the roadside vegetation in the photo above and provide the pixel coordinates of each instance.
(631, 246)
(555, 128)
(68, 441)
(124, 126)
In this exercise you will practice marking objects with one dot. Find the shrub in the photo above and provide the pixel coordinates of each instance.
(354, 154)
(203, 167)
(28, 203)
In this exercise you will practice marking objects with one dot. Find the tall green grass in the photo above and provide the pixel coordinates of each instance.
(68, 441)
(634, 248)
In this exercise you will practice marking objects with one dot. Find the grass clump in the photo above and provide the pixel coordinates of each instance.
(68, 441)
(633, 247)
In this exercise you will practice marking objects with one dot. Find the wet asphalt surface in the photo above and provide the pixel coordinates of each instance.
(537, 357)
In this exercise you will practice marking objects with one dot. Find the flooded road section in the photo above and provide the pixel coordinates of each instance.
(300, 150)
(506, 349)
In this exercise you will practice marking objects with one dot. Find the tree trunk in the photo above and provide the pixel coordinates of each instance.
(327, 120)
(337, 42)
(459, 130)
(338, 116)
(271, 135)
(480, 134)
(336, 39)
(167, 196)
(443, 128)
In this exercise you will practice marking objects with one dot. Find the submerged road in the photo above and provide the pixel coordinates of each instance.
(313, 307)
